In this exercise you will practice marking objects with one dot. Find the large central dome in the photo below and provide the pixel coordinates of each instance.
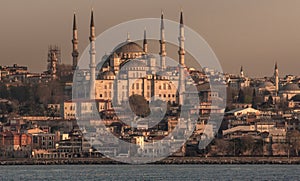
(128, 47)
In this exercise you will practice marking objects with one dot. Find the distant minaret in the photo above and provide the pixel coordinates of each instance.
(145, 43)
(162, 41)
(276, 76)
(181, 53)
(242, 72)
(92, 57)
(75, 51)
(53, 65)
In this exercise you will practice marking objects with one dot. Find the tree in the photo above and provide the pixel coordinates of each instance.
(254, 99)
(270, 100)
(139, 105)
(241, 96)
(294, 141)
(4, 93)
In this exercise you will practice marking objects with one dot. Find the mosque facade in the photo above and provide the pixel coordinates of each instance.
(130, 70)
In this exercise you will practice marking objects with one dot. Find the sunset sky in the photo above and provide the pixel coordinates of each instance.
(252, 33)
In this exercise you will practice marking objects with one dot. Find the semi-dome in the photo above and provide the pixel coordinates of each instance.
(290, 87)
(162, 74)
(107, 75)
(132, 64)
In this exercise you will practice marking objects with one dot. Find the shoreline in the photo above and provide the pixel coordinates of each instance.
(169, 160)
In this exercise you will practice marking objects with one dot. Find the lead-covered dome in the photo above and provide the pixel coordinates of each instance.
(291, 87)
(128, 47)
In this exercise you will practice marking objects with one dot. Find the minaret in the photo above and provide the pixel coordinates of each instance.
(276, 76)
(162, 41)
(53, 63)
(75, 51)
(92, 57)
(145, 43)
(181, 53)
(181, 41)
(242, 72)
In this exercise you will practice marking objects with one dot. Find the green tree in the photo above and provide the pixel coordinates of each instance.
(139, 105)
(241, 96)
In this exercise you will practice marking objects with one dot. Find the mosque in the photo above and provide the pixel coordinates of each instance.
(130, 70)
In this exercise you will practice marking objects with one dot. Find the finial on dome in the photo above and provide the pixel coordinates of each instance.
(128, 37)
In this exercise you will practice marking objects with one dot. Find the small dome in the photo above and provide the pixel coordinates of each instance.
(107, 75)
(290, 87)
(296, 98)
(265, 84)
(150, 56)
(162, 73)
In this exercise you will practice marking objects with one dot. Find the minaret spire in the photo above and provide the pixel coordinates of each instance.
(276, 76)
(74, 22)
(145, 43)
(92, 27)
(92, 57)
(181, 39)
(75, 52)
(162, 41)
(242, 72)
(181, 53)
(181, 17)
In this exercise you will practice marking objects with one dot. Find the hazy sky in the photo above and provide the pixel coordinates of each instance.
(252, 33)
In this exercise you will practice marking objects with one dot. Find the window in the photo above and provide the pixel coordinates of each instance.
(100, 95)
(137, 86)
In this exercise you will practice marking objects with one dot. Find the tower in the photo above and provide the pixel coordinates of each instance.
(242, 72)
(145, 43)
(53, 60)
(53, 63)
(276, 76)
(181, 53)
(162, 41)
(92, 57)
(75, 51)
